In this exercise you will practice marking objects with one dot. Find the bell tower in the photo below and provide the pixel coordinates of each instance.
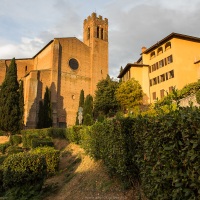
(95, 35)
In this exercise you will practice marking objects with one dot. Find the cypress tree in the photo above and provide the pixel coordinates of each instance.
(88, 110)
(10, 117)
(47, 109)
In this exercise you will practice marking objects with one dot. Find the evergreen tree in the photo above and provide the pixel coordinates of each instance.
(10, 115)
(47, 109)
(81, 104)
(21, 103)
(88, 110)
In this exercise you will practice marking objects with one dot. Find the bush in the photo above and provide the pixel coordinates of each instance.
(38, 142)
(73, 134)
(13, 150)
(51, 156)
(1, 181)
(198, 96)
(15, 140)
(4, 146)
(2, 158)
(24, 169)
(168, 148)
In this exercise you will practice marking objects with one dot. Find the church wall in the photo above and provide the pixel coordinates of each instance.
(44, 59)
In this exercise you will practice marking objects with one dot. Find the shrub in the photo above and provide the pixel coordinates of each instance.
(198, 96)
(13, 150)
(15, 140)
(51, 157)
(41, 142)
(168, 148)
(4, 146)
(1, 181)
(2, 158)
(73, 134)
(57, 133)
(24, 169)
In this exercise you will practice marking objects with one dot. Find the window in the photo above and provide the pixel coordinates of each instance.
(88, 35)
(171, 89)
(169, 59)
(152, 55)
(162, 78)
(160, 50)
(154, 95)
(150, 82)
(158, 79)
(166, 75)
(162, 93)
(165, 61)
(149, 69)
(102, 33)
(73, 63)
(97, 31)
(154, 81)
(26, 68)
(161, 63)
(171, 74)
(157, 66)
(167, 46)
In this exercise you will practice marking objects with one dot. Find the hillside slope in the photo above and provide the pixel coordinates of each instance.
(80, 177)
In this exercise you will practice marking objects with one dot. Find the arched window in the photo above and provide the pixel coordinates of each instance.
(152, 55)
(88, 33)
(102, 33)
(26, 68)
(168, 46)
(97, 31)
(160, 50)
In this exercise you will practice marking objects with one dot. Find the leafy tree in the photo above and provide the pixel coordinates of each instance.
(88, 110)
(81, 104)
(129, 94)
(47, 109)
(21, 103)
(105, 101)
(10, 115)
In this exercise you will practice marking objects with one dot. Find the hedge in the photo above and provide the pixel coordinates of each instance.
(161, 152)
(15, 140)
(24, 169)
(3, 147)
(51, 157)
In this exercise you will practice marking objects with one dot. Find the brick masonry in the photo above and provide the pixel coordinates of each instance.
(50, 67)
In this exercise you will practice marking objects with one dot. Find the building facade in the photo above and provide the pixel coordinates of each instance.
(172, 62)
(66, 66)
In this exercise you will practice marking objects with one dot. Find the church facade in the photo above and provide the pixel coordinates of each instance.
(66, 66)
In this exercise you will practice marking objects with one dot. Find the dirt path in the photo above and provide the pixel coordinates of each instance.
(3, 139)
(82, 178)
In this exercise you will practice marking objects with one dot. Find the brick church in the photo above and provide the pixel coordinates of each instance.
(66, 66)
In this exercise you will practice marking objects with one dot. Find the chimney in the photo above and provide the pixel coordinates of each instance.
(144, 49)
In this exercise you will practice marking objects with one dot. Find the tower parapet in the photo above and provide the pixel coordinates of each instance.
(95, 27)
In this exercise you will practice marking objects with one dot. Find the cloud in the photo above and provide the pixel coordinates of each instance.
(27, 26)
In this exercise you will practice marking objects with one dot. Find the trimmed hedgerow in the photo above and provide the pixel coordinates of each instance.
(13, 150)
(24, 169)
(15, 140)
(41, 142)
(4, 146)
(52, 158)
(73, 134)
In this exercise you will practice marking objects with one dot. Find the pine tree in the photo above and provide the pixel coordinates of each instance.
(47, 109)
(10, 117)
(88, 110)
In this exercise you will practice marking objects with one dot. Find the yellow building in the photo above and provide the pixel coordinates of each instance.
(172, 62)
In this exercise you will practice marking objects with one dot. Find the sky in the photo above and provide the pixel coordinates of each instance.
(26, 26)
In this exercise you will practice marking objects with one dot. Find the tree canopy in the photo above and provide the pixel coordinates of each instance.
(10, 117)
(129, 94)
(105, 101)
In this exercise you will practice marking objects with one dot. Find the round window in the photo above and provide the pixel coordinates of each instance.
(73, 63)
